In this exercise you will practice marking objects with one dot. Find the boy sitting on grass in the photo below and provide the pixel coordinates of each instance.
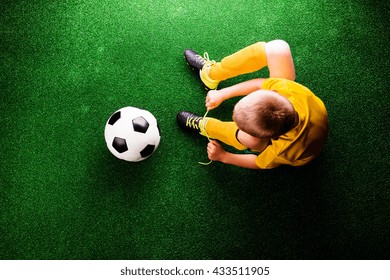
(279, 119)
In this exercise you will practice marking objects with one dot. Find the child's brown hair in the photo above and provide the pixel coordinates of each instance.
(264, 114)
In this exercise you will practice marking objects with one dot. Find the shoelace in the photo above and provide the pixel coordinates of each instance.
(193, 122)
(206, 56)
(205, 59)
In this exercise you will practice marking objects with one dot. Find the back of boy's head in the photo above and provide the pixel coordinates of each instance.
(264, 114)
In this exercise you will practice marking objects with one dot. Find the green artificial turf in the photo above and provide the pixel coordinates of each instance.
(66, 66)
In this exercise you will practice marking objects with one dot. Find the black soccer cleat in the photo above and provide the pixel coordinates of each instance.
(202, 66)
(194, 60)
(191, 122)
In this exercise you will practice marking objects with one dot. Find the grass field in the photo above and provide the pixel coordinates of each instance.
(66, 66)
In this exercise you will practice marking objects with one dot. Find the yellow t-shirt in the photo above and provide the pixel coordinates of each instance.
(305, 141)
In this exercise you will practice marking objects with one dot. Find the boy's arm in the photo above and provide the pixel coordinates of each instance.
(217, 153)
(242, 89)
(241, 160)
(216, 97)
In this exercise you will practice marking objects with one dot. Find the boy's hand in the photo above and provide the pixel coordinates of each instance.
(215, 151)
(213, 99)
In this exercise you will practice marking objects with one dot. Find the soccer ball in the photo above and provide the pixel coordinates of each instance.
(132, 134)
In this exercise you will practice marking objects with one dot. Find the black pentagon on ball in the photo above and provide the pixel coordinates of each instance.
(140, 125)
(147, 151)
(119, 145)
(113, 119)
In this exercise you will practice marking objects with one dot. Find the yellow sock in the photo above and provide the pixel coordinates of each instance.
(247, 60)
(224, 132)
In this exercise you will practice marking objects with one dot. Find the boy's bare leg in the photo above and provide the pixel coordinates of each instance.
(280, 61)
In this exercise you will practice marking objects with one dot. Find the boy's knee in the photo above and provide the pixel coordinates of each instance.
(280, 61)
(278, 46)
